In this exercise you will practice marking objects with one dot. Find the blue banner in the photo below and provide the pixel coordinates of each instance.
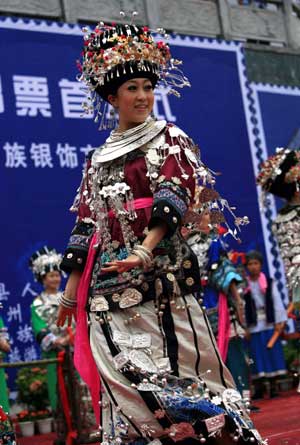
(44, 139)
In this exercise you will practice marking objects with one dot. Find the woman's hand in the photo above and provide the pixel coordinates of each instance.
(122, 266)
(154, 236)
(279, 326)
(65, 315)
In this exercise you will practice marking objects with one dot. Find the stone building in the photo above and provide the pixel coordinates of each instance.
(269, 28)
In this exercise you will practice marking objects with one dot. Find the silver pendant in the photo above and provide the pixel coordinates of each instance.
(120, 360)
(142, 361)
(130, 297)
(141, 341)
(163, 364)
(99, 304)
(215, 423)
(148, 387)
(153, 157)
(231, 396)
(122, 338)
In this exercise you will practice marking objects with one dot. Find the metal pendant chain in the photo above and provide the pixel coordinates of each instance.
(118, 202)
(110, 192)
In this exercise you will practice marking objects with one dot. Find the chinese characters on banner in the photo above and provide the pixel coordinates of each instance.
(22, 330)
(32, 99)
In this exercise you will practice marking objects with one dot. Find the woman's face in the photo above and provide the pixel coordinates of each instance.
(133, 101)
(52, 281)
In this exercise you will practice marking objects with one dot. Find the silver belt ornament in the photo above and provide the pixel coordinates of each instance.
(135, 341)
(148, 387)
(141, 360)
(99, 304)
(130, 297)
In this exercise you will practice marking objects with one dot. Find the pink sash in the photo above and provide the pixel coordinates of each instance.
(140, 203)
(223, 326)
(83, 358)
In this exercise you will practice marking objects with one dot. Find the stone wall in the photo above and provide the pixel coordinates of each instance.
(272, 34)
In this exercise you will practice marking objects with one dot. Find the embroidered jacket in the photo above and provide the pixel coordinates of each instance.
(163, 170)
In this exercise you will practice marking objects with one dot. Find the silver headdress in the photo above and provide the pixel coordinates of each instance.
(114, 54)
(43, 261)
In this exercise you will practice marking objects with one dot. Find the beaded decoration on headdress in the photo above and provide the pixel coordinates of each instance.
(280, 174)
(114, 54)
(293, 175)
(270, 168)
(43, 261)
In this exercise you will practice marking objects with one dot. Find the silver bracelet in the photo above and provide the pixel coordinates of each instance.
(144, 249)
(143, 257)
(66, 302)
(144, 254)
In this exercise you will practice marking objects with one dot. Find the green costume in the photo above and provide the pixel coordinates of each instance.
(43, 319)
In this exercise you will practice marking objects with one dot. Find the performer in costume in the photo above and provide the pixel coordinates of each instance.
(265, 313)
(135, 279)
(58, 342)
(222, 300)
(45, 265)
(280, 176)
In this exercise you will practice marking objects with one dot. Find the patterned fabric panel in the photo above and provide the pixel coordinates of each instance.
(170, 205)
(77, 248)
(174, 199)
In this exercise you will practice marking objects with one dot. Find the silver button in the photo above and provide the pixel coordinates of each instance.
(167, 209)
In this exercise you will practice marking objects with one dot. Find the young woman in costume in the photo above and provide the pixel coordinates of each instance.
(280, 176)
(69, 396)
(135, 280)
(45, 266)
(265, 314)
